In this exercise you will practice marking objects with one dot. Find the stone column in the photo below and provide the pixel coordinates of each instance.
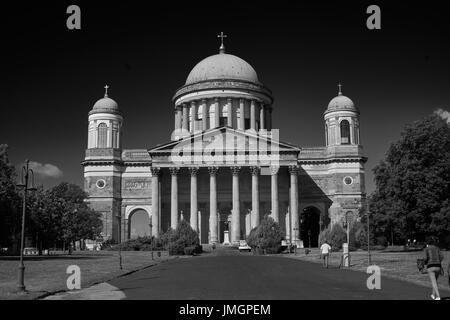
(293, 170)
(230, 112)
(155, 201)
(213, 204)
(216, 111)
(185, 122)
(274, 193)
(255, 196)
(235, 217)
(176, 119)
(194, 203)
(179, 118)
(242, 114)
(262, 118)
(174, 198)
(199, 226)
(253, 115)
(193, 115)
(204, 115)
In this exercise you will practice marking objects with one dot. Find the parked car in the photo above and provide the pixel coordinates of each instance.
(243, 246)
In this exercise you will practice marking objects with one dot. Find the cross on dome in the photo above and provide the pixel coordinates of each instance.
(106, 90)
(222, 47)
(340, 89)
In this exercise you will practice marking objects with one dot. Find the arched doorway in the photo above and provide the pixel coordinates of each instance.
(310, 226)
(139, 224)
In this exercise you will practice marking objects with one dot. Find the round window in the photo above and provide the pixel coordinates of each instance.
(348, 180)
(101, 183)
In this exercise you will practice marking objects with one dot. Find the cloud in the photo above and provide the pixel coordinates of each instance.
(444, 114)
(46, 170)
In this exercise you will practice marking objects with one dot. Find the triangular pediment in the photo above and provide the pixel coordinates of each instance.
(225, 146)
(228, 139)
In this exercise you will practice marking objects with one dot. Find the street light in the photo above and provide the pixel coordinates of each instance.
(24, 184)
(119, 219)
(369, 258)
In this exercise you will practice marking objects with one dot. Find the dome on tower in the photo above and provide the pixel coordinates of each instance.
(106, 103)
(222, 66)
(341, 102)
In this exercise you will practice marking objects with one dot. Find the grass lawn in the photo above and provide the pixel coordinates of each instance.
(400, 265)
(48, 273)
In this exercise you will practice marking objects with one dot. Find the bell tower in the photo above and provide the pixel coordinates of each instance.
(103, 163)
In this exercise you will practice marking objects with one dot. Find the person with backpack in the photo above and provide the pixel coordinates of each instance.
(433, 260)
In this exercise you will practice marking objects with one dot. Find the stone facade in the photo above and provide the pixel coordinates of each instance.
(304, 190)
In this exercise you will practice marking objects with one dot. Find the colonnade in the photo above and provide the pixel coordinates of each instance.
(236, 213)
(204, 114)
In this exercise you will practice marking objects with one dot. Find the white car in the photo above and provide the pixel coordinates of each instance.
(243, 246)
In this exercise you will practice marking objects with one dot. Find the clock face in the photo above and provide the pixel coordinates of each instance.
(348, 180)
(100, 183)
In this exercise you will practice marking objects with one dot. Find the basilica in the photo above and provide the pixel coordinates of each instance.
(223, 168)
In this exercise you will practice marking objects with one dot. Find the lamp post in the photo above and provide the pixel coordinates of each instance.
(26, 171)
(369, 258)
(118, 240)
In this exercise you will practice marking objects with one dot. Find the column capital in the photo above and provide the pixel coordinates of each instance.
(174, 170)
(213, 170)
(193, 103)
(235, 170)
(203, 100)
(216, 99)
(293, 169)
(274, 169)
(155, 171)
(193, 170)
(255, 170)
(241, 100)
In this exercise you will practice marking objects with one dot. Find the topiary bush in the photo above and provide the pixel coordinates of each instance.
(183, 236)
(338, 236)
(267, 236)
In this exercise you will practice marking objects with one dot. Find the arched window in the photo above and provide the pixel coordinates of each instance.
(102, 139)
(345, 132)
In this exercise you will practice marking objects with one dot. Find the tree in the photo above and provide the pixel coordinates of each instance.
(10, 202)
(412, 196)
(61, 214)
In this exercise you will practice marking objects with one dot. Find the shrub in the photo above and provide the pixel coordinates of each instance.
(189, 251)
(267, 236)
(324, 235)
(337, 237)
(381, 241)
(177, 240)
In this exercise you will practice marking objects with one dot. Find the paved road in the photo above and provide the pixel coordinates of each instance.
(230, 275)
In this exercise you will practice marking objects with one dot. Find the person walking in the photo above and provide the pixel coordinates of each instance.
(325, 250)
(433, 260)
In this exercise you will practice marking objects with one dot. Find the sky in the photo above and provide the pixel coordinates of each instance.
(52, 76)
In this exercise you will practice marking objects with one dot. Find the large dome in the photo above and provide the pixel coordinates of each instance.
(222, 66)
